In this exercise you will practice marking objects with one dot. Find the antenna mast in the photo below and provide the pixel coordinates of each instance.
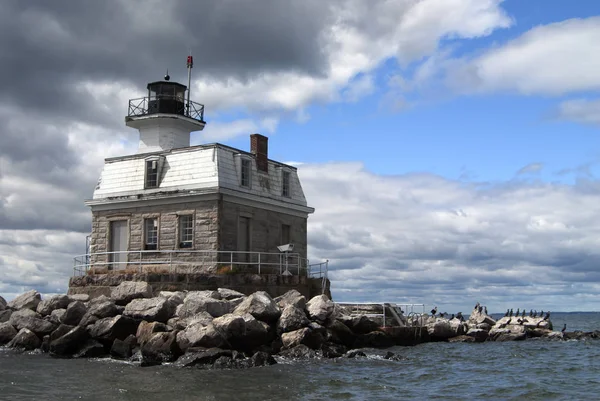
(190, 64)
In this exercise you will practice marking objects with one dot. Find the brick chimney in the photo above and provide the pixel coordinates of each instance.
(259, 146)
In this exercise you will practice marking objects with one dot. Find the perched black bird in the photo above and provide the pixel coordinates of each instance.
(480, 309)
(564, 328)
(547, 316)
(485, 309)
(510, 313)
(476, 306)
(506, 314)
(531, 313)
(509, 320)
(541, 313)
(434, 311)
(523, 313)
(452, 316)
(517, 314)
(460, 316)
(534, 313)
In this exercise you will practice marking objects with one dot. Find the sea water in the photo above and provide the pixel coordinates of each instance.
(535, 369)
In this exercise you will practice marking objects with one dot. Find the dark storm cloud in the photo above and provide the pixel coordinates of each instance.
(46, 48)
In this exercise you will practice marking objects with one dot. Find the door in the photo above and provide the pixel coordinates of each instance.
(243, 239)
(118, 243)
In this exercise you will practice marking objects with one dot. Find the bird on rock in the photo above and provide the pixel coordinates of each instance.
(460, 316)
(510, 313)
(434, 311)
(452, 317)
(564, 328)
(485, 309)
(523, 313)
(517, 314)
(531, 313)
(547, 316)
(506, 314)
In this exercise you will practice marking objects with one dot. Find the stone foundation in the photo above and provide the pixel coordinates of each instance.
(274, 284)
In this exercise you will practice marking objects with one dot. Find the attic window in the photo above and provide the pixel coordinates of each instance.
(285, 183)
(151, 173)
(245, 173)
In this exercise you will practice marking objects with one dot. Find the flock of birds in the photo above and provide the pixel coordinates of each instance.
(509, 313)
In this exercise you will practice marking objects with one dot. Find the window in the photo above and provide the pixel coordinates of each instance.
(285, 191)
(150, 234)
(186, 231)
(245, 173)
(151, 173)
(285, 234)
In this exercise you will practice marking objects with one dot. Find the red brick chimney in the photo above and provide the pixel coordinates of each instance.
(259, 146)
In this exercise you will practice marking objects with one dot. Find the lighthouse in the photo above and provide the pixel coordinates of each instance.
(164, 117)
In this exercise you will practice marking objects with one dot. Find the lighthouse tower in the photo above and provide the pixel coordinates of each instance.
(165, 118)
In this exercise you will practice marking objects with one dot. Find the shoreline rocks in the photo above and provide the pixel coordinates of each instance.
(227, 329)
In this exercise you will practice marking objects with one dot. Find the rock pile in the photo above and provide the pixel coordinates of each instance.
(222, 328)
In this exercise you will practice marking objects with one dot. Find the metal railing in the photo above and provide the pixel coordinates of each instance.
(405, 310)
(165, 104)
(192, 260)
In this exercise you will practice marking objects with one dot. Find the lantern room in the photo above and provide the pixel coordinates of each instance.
(166, 97)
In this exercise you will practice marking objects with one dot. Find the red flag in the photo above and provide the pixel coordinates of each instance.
(190, 62)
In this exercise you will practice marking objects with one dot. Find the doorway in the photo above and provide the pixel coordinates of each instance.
(118, 243)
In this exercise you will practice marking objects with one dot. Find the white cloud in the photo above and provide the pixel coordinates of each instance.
(580, 110)
(422, 238)
(553, 59)
(222, 131)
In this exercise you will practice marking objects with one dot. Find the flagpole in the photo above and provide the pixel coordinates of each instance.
(190, 64)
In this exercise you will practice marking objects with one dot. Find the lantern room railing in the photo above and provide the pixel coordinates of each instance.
(169, 104)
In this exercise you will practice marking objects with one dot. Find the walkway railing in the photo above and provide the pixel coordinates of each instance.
(188, 261)
(410, 314)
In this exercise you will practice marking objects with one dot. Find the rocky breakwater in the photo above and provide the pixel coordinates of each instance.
(223, 328)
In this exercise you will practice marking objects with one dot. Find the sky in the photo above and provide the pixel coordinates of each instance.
(451, 148)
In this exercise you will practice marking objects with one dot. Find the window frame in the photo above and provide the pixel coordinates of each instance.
(151, 246)
(246, 162)
(286, 190)
(180, 233)
(151, 171)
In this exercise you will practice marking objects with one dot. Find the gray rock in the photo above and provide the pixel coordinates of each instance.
(230, 326)
(341, 334)
(479, 335)
(130, 290)
(111, 328)
(7, 332)
(261, 358)
(311, 338)
(57, 315)
(28, 300)
(363, 325)
(194, 305)
(150, 309)
(476, 318)
(176, 297)
(5, 315)
(459, 328)
(261, 306)
(70, 343)
(510, 337)
(228, 295)
(198, 335)
(298, 352)
(202, 294)
(91, 349)
(331, 350)
(161, 347)
(374, 339)
(121, 349)
(462, 339)
(3, 304)
(292, 318)
(147, 329)
(79, 297)
(441, 329)
(74, 313)
(257, 332)
(201, 317)
(26, 339)
(206, 356)
(60, 331)
(28, 319)
(292, 297)
(46, 307)
(320, 308)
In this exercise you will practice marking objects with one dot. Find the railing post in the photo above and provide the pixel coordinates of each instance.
(231, 261)
(259, 263)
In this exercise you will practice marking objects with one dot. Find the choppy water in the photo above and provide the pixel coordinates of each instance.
(528, 370)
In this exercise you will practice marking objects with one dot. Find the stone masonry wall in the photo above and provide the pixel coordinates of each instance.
(265, 230)
(205, 231)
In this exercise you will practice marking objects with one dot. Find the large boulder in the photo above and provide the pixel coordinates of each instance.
(458, 327)
(228, 294)
(478, 317)
(200, 356)
(202, 294)
(79, 297)
(202, 317)
(197, 335)
(312, 338)
(339, 333)
(3, 304)
(441, 329)
(74, 313)
(230, 326)
(320, 308)
(292, 318)
(257, 332)
(5, 315)
(176, 297)
(70, 343)
(130, 290)
(147, 329)
(292, 297)
(161, 347)
(479, 335)
(362, 324)
(99, 310)
(26, 339)
(261, 306)
(28, 319)
(200, 302)
(150, 309)
(46, 307)
(28, 300)
(57, 315)
(110, 328)
(7, 333)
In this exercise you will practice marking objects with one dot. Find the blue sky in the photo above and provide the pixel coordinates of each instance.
(450, 147)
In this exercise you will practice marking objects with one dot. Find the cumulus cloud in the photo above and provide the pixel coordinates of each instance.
(583, 111)
(416, 237)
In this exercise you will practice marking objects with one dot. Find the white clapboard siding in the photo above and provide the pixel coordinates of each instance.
(194, 168)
